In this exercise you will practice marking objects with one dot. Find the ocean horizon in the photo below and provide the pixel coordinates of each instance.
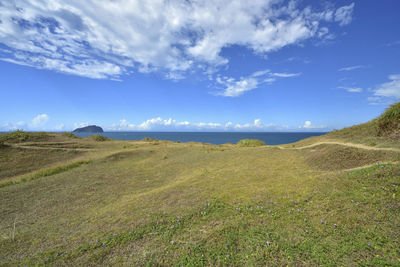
(217, 138)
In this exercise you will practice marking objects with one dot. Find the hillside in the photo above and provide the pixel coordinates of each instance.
(328, 200)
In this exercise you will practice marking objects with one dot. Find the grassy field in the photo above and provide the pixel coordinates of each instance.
(68, 201)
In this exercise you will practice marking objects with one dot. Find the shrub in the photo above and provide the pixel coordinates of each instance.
(99, 138)
(389, 122)
(250, 142)
(148, 139)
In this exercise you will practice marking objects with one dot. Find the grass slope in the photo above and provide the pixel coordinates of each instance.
(160, 203)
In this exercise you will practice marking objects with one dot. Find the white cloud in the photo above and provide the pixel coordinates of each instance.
(235, 87)
(59, 127)
(352, 68)
(389, 89)
(80, 124)
(286, 75)
(351, 89)
(40, 120)
(308, 125)
(393, 43)
(106, 39)
(8, 126)
(159, 124)
(344, 14)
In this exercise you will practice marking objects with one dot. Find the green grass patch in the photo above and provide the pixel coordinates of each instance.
(250, 143)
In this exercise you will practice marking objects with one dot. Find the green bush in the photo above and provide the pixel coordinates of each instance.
(99, 138)
(250, 142)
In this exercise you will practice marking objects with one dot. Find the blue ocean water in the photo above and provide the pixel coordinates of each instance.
(275, 138)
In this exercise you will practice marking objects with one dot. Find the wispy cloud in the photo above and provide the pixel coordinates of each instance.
(344, 14)
(392, 43)
(351, 89)
(352, 68)
(107, 39)
(389, 89)
(235, 87)
(286, 75)
(386, 93)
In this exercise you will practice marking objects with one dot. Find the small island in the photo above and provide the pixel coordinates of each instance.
(89, 129)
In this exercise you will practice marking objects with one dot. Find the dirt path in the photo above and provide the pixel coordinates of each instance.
(343, 144)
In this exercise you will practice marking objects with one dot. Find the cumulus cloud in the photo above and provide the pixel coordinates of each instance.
(107, 39)
(170, 124)
(235, 87)
(351, 89)
(352, 68)
(40, 120)
(308, 125)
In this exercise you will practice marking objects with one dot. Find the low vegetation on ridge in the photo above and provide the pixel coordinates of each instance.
(250, 142)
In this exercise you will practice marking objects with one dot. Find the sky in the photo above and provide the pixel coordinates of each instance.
(188, 65)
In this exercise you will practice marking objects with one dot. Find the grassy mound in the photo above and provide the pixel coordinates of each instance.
(70, 135)
(19, 136)
(99, 138)
(382, 131)
(388, 123)
(337, 157)
(17, 161)
(250, 143)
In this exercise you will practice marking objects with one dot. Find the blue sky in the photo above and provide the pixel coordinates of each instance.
(265, 65)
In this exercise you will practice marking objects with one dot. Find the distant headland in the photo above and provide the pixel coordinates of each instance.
(89, 129)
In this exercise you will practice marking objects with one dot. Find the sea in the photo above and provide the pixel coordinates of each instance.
(217, 138)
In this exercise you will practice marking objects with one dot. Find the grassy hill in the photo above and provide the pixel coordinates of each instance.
(329, 200)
